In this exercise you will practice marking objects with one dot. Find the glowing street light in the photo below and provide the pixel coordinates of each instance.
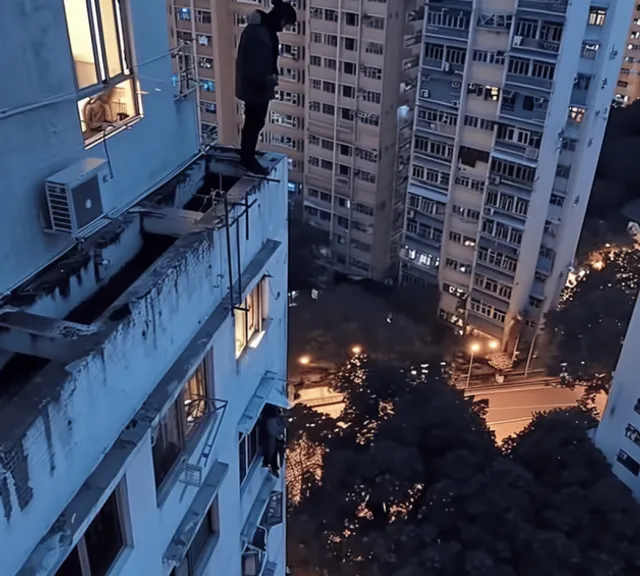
(493, 345)
(304, 360)
(356, 350)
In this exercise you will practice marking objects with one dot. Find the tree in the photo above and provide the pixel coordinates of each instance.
(577, 495)
(401, 444)
(413, 484)
(587, 330)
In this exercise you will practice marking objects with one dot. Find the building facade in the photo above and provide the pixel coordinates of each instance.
(618, 434)
(346, 69)
(143, 312)
(628, 87)
(512, 106)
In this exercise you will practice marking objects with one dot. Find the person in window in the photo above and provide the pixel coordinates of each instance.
(257, 74)
(97, 113)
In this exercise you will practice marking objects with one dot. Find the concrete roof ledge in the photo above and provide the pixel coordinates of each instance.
(55, 432)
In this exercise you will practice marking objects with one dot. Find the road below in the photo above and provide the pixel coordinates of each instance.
(511, 410)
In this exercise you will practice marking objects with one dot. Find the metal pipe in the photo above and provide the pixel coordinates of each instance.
(530, 355)
(229, 262)
(237, 222)
(246, 216)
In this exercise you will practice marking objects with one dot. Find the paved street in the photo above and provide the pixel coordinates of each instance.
(511, 410)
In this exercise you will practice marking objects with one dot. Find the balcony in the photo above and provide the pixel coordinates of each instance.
(529, 81)
(446, 33)
(524, 109)
(515, 149)
(523, 46)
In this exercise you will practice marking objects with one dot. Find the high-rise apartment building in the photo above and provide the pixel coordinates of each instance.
(618, 434)
(628, 87)
(512, 106)
(143, 311)
(346, 70)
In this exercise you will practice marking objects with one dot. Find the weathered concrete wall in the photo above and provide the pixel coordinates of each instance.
(53, 436)
(34, 144)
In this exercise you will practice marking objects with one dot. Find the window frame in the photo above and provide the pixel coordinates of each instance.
(260, 293)
(104, 80)
(188, 435)
(124, 521)
(190, 566)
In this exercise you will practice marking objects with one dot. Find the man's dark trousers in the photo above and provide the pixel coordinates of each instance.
(255, 115)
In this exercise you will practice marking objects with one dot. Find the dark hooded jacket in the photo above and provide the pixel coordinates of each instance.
(257, 60)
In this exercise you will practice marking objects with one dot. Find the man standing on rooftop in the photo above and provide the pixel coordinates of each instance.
(257, 74)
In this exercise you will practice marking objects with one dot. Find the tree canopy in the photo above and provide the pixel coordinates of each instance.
(587, 330)
(410, 482)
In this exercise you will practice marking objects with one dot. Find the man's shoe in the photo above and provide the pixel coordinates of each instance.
(252, 165)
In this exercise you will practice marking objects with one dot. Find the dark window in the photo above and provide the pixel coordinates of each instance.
(71, 566)
(628, 462)
(200, 545)
(101, 544)
(103, 538)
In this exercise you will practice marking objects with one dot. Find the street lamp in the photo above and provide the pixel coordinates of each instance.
(356, 350)
(304, 360)
(475, 347)
(493, 345)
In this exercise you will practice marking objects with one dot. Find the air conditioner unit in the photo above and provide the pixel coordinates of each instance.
(473, 86)
(455, 103)
(531, 153)
(411, 213)
(456, 84)
(342, 180)
(446, 66)
(75, 196)
(517, 40)
(424, 93)
(489, 211)
(494, 179)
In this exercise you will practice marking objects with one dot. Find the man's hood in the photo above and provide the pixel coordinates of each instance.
(257, 17)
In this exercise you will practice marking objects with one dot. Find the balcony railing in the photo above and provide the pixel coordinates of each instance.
(522, 42)
(547, 6)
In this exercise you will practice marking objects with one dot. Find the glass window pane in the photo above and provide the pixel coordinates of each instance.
(107, 110)
(79, 28)
(103, 538)
(168, 444)
(195, 392)
(110, 37)
(241, 339)
(253, 304)
(71, 566)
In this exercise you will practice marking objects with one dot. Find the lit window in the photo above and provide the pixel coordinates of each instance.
(250, 317)
(181, 422)
(98, 41)
(103, 541)
(106, 110)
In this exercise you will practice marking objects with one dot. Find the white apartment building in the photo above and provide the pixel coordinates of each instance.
(513, 103)
(618, 434)
(143, 311)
